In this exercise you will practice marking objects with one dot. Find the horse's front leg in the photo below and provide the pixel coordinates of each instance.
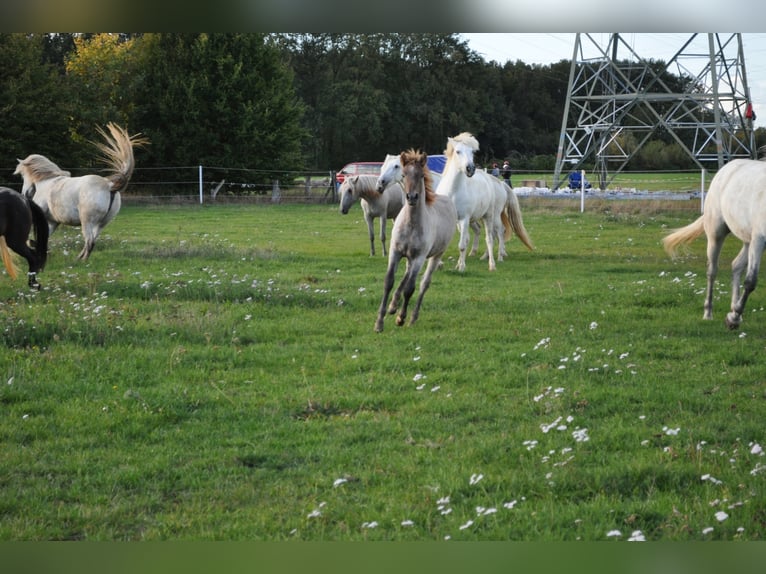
(396, 299)
(388, 283)
(408, 287)
(425, 282)
(753, 259)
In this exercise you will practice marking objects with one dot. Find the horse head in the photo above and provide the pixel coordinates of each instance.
(348, 193)
(390, 172)
(416, 176)
(460, 149)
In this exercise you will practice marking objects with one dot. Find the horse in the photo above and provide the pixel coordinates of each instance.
(90, 201)
(735, 203)
(374, 202)
(422, 232)
(19, 216)
(479, 196)
(391, 172)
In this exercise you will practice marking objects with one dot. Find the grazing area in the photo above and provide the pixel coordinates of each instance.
(211, 373)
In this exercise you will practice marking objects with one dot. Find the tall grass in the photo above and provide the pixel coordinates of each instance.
(212, 373)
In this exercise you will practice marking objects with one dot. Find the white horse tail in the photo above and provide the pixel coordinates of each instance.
(118, 154)
(7, 259)
(514, 216)
(684, 235)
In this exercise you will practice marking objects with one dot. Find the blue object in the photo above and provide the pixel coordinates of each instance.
(436, 163)
(575, 181)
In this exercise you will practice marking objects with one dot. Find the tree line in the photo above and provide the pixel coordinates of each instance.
(280, 102)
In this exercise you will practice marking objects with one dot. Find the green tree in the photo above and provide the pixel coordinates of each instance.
(218, 100)
(35, 104)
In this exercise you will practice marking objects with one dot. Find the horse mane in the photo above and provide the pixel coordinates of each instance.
(464, 138)
(419, 158)
(38, 167)
(367, 183)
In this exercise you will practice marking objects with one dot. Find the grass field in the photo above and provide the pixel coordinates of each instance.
(212, 374)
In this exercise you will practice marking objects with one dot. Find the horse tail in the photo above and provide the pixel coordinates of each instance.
(117, 153)
(10, 267)
(684, 235)
(40, 224)
(514, 215)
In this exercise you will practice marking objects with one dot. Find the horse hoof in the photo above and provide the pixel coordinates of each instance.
(399, 321)
(732, 321)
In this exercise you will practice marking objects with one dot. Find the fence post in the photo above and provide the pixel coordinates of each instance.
(201, 193)
(582, 190)
(275, 191)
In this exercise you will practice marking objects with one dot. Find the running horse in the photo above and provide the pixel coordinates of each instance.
(735, 203)
(19, 216)
(90, 201)
(422, 232)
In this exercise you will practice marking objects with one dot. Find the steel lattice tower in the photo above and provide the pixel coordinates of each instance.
(616, 102)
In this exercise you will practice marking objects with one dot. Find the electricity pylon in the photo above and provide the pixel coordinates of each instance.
(617, 101)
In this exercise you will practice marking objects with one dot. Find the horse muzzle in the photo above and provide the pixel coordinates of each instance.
(470, 169)
(412, 199)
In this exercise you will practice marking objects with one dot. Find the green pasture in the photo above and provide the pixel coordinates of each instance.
(212, 373)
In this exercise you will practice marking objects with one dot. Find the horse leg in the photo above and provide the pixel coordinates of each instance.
(476, 228)
(714, 245)
(489, 235)
(89, 233)
(398, 293)
(755, 250)
(388, 283)
(737, 267)
(425, 282)
(462, 226)
(19, 245)
(383, 233)
(371, 232)
(408, 287)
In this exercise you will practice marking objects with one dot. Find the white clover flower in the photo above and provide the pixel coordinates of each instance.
(755, 449)
(613, 534)
(720, 516)
(418, 376)
(475, 478)
(339, 481)
(707, 530)
(372, 524)
(637, 536)
(408, 523)
(466, 525)
(593, 325)
(510, 505)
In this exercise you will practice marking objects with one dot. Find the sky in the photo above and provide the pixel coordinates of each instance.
(538, 48)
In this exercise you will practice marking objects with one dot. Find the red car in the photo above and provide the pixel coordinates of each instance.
(358, 168)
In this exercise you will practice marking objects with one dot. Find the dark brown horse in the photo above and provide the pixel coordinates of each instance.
(18, 216)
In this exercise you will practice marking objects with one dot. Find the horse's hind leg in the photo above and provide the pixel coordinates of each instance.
(20, 246)
(388, 283)
(371, 233)
(714, 244)
(753, 260)
(89, 233)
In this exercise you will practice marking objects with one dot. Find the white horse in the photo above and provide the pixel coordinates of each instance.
(385, 203)
(422, 231)
(735, 203)
(90, 201)
(479, 196)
